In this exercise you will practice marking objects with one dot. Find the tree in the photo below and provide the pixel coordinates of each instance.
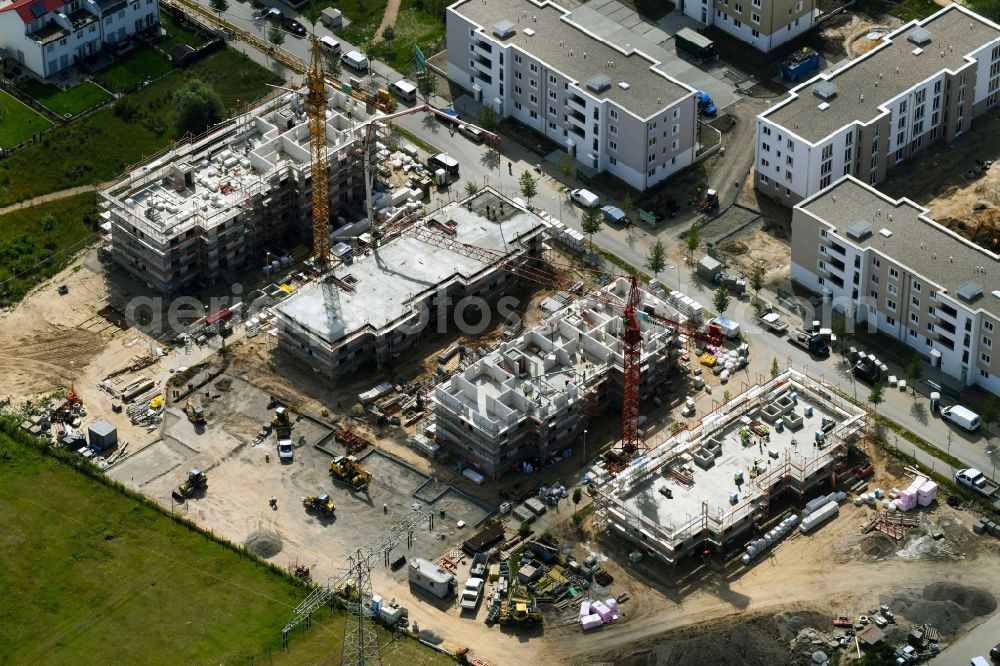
(577, 496)
(775, 368)
(488, 118)
(628, 207)
(196, 108)
(989, 413)
(840, 330)
(656, 260)
(566, 165)
(333, 65)
(389, 33)
(48, 223)
(876, 397)
(524, 530)
(311, 14)
(528, 186)
(426, 83)
(220, 6)
(591, 223)
(757, 278)
(471, 189)
(914, 371)
(693, 239)
(275, 35)
(721, 299)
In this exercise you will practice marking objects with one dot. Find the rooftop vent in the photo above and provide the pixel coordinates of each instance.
(598, 83)
(529, 32)
(504, 29)
(624, 85)
(825, 90)
(823, 106)
(970, 291)
(884, 233)
(919, 36)
(859, 229)
(917, 51)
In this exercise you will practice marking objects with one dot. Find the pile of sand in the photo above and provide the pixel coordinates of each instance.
(946, 606)
(264, 543)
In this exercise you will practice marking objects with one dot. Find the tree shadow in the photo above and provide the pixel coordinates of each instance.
(919, 411)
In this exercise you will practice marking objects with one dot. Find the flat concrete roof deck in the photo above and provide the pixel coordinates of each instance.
(885, 72)
(564, 46)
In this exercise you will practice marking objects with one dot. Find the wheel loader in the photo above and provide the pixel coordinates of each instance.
(197, 480)
(320, 503)
(347, 470)
(521, 615)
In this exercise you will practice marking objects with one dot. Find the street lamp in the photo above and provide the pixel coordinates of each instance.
(584, 446)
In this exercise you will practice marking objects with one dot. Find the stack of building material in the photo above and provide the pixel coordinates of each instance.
(590, 622)
(922, 492)
(612, 604)
(564, 235)
(758, 546)
(602, 610)
(927, 493)
(818, 516)
(907, 499)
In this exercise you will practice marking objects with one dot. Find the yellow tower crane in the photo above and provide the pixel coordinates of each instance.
(320, 169)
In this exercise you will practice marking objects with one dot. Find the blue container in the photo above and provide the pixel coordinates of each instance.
(799, 65)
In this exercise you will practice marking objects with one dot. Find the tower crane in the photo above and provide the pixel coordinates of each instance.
(354, 583)
(316, 106)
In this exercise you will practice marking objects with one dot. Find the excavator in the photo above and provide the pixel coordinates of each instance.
(347, 470)
(197, 480)
(195, 413)
(521, 615)
(320, 503)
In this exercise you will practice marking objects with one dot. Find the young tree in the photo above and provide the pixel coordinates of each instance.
(577, 496)
(196, 108)
(528, 186)
(876, 397)
(471, 188)
(989, 413)
(656, 260)
(591, 223)
(566, 165)
(48, 223)
(914, 371)
(693, 239)
(628, 207)
(389, 33)
(840, 331)
(426, 84)
(275, 35)
(721, 299)
(488, 118)
(333, 66)
(311, 14)
(757, 278)
(220, 6)
(775, 368)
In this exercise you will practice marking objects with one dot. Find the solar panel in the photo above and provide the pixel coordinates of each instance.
(38, 9)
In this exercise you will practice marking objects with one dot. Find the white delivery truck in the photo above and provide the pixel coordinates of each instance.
(404, 90)
(961, 416)
(356, 60)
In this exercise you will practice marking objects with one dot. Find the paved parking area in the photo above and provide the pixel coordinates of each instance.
(622, 26)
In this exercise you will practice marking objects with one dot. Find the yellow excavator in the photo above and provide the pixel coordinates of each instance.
(320, 503)
(197, 480)
(521, 615)
(347, 470)
(195, 413)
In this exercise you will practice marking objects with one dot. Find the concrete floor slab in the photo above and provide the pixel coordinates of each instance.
(153, 461)
(631, 20)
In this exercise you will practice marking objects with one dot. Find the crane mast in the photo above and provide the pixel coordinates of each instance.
(316, 105)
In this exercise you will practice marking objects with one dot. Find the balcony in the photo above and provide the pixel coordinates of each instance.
(482, 65)
(48, 33)
(576, 103)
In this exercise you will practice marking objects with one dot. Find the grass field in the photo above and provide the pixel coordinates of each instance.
(415, 26)
(133, 68)
(93, 575)
(66, 103)
(100, 147)
(177, 34)
(24, 243)
(18, 122)
(988, 8)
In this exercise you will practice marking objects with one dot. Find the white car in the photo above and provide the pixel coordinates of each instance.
(286, 452)
(585, 198)
(471, 593)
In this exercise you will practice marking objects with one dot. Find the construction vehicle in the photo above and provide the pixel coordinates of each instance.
(195, 413)
(520, 615)
(320, 503)
(709, 202)
(197, 480)
(282, 419)
(347, 470)
(814, 343)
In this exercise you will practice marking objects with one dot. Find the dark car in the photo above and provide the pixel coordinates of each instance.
(294, 27)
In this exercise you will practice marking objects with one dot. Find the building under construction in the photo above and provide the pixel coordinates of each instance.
(214, 206)
(530, 399)
(707, 487)
(375, 305)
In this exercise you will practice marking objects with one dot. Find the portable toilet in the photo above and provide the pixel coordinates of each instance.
(935, 401)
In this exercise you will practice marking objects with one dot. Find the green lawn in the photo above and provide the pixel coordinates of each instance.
(93, 575)
(24, 243)
(908, 10)
(988, 8)
(18, 122)
(177, 34)
(100, 147)
(414, 27)
(66, 103)
(133, 68)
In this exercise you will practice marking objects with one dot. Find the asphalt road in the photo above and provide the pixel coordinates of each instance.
(977, 642)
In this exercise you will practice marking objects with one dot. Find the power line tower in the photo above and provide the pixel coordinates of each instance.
(316, 105)
(354, 583)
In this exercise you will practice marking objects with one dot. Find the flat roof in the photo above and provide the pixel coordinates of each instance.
(386, 280)
(885, 72)
(556, 37)
(916, 240)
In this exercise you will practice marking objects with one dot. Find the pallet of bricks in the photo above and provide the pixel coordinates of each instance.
(351, 441)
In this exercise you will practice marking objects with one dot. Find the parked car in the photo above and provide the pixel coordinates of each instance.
(585, 198)
(294, 27)
(286, 452)
(614, 215)
(961, 416)
(470, 593)
(330, 44)
(267, 13)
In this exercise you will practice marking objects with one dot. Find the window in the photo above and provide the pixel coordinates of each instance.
(534, 115)
(913, 333)
(552, 126)
(613, 114)
(613, 161)
(756, 3)
(613, 129)
(652, 142)
(766, 147)
(788, 160)
(891, 304)
(849, 139)
(552, 79)
(534, 68)
(876, 263)
(764, 163)
(984, 374)
(902, 106)
(737, 23)
(987, 342)
(533, 98)
(738, 8)
(517, 90)
(893, 273)
(767, 131)
(517, 105)
(613, 145)
(553, 94)
(914, 301)
(824, 181)
(533, 83)
(847, 155)
(916, 286)
(798, 6)
(675, 129)
(673, 145)
(874, 279)
(755, 18)
(891, 288)
(763, 179)
(988, 325)
(552, 111)
(827, 152)
(874, 294)
(985, 358)
(651, 172)
(517, 75)
(891, 321)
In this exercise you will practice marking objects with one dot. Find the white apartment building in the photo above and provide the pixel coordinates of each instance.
(610, 109)
(892, 266)
(47, 36)
(924, 83)
(763, 24)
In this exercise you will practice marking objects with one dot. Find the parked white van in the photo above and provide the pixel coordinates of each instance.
(356, 60)
(330, 44)
(404, 90)
(585, 198)
(961, 416)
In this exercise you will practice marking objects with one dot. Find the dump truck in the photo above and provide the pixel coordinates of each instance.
(347, 470)
(974, 479)
(521, 615)
(197, 480)
(320, 503)
(814, 343)
(710, 201)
